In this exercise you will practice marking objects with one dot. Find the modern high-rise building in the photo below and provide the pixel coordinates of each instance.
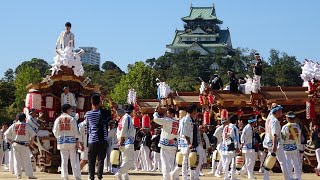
(202, 33)
(90, 55)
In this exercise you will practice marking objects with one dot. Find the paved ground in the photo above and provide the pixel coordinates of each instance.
(134, 175)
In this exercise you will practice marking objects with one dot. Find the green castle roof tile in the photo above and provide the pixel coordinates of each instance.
(206, 13)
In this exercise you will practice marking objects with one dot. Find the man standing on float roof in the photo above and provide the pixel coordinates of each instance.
(291, 135)
(66, 38)
(168, 141)
(272, 140)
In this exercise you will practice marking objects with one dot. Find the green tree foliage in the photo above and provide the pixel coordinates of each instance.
(26, 75)
(36, 63)
(6, 93)
(139, 77)
(8, 76)
(110, 66)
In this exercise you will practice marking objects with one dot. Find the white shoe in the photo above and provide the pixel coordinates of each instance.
(211, 172)
(18, 177)
(201, 174)
(118, 176)
(217, 175)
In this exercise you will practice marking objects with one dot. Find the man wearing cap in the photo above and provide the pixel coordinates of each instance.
(66, 131)
(126, 134)
(32, 120)
(217, 168)
(257, 70)
(168, 141)
(272, 140)
(248, 147)
(67, 97)
(291, 135)
(233, 82)
(20, 135)
(230, 146)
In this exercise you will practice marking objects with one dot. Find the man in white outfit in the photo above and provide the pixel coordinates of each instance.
(33, 121)
(189, 139)
(20, 135)
(68, 97)
(3, 143)
(83, 129)
(145, 150)
(168, 141)
(230, 147)
(68, 141)
(291, 135)
(272, 140)
(248, 148)
(66, 38)
(126, 134)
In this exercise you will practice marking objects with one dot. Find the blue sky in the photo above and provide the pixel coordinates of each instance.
(126, 31)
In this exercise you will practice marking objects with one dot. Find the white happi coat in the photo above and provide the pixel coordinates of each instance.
(20, 132)
(246, 139)
(126, 130)
(66, 131)
(169, 133)
(185, 129)
(65, 40)
(218, 135)
(112, 138)
(83, 130)
(33, 123)
(68, 98)
(230, 134)
(289, 143)
(272, 127)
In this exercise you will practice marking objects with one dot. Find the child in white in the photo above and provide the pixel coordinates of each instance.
(20, 135)
(68, 140)
(230, 146)
(248, 147)
(126, 134)
(168, 141)
(83, 129)
(272, 140)
(291, 135)
(112, 141)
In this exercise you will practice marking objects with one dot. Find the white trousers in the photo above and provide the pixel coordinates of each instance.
(293, 160)
(145, 158)
(250, 159)
(22, 159)
(318, 157)
(1, 158)
(195, 174)
(167, 157)
(156, 161)
(227, 159)
(283, 163)
(74, 160)
(262, 156)
(258, 79)
(137, 159)
(127, 156)
(107, 164)
(11, 160)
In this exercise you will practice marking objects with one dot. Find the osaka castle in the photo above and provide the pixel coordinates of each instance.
(202, 33)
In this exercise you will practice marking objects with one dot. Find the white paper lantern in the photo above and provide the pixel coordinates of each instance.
(80, 104)
(33, 101)
(49, 102)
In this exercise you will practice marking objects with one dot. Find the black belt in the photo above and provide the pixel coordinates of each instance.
(22, 143)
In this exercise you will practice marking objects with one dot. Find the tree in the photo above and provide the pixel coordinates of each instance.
(8, 75)
(91, 68)
(26, 75)
(109, 65)
(39, 64)
(139, 77)
(7, 95)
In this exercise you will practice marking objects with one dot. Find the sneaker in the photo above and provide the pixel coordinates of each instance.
(32, 177)
(261, 170)
(217, 175)
(118, 176)
(211, 172)
(18, 177)
(201, 174)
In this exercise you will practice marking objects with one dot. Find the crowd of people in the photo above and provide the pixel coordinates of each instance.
(143, 149)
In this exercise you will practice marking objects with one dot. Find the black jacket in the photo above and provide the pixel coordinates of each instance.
(154, 143)
(233, 84)
(257, 70)
(216, 83)
(316, 139)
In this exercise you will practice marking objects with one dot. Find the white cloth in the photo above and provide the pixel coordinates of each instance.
(156, 161)
(1, 158)
(257, 79)
(66, 131)
(167, 162)
(293, 160)
(169, 131)
(262, 156)
(218, 134)
(250, 159)
(289, 143)
(20, 132)
(227, 159)
(230, 135)
(145, 158)
(272, 128)
(185, 130)
(195, 174)
(83, 130)
(137, 159)
(33, 123)
(22, 159)
(126, 130)
(11, 161)
(318, 157)
(65, 154)
(283, 163)
(246, 139)
(127, 154)
(68, 98)
(65, 39)
(112, 141)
